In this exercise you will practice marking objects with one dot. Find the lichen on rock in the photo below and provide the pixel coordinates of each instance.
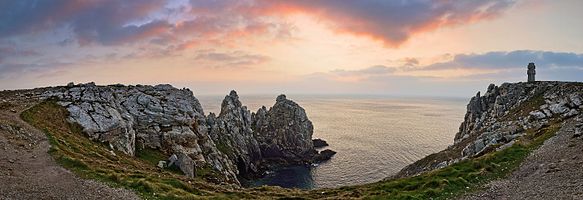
(236, 143)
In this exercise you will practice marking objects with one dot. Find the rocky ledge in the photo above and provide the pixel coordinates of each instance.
(235, 143)
(494, 120)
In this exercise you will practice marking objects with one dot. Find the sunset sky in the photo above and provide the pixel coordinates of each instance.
(382, 47)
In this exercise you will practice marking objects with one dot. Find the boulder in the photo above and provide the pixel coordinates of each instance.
(324, 155)
(538, 114)
(319, 143)
(161, 164)
(186, 165)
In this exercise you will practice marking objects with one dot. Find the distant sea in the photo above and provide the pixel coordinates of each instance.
(374, 136)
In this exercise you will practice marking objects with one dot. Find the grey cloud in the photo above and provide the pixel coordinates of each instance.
(230, 59)
(510, 60)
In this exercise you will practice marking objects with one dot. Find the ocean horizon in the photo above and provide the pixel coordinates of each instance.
(375, 136)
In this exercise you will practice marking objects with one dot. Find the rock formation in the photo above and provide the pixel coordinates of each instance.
(131, 118)
(494, 120)
(319, 143)
(505, 112)
(236, 143)
(232, 133)
(285, 131)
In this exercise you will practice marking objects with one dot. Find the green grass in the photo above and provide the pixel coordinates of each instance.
(461, 177)
(88, 159)
(73, 150)
(221, 146)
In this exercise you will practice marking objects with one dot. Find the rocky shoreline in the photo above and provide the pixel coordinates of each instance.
(236, 143)
(494, 120)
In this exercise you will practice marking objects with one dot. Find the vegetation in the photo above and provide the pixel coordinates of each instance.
(458, 178)
(73, 150)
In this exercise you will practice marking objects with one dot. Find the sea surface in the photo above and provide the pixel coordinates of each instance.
(374, 136)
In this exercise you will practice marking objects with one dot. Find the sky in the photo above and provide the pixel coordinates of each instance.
(372, 47)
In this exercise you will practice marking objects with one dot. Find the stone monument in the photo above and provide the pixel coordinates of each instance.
(531, 72)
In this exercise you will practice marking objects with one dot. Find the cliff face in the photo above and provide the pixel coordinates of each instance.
(494, 120)
(170, 120)
(285, 131)
(281, 135)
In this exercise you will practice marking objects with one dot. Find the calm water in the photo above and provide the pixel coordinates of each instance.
(374, 136)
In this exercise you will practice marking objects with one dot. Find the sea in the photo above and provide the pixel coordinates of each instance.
(374, 136)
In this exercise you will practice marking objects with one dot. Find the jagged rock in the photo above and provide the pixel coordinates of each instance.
(441, 165)
(575, 100)
(137, 117)
(284, 131)
(324, 155)
(234, 143)
(172, 159)
(233, 134)
(186, 165)
(571, 113)
(161, 164)
(486, 113)
(319, 143)
(577, 133)
(558, 108)
(538, 114)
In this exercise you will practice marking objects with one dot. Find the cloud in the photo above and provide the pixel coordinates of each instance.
(104, 21)
(113, 22)
(9, 51)
(392, 22)
(230, 59)
(497, 67)
(504, 60)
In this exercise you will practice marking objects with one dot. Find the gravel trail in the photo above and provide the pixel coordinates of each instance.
(554, 171)
(27, 171)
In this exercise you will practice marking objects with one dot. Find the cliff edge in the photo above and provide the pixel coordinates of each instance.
(236, 143)
(494, 120)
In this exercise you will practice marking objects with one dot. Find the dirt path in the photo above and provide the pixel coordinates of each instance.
(554, 171)
(27, 171)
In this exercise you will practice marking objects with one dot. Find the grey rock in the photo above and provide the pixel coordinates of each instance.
(538, 114)
(324, 155)
(558, 108)
(186, 165)
(234, 143)
(284, 131)
(571, 113)
(161, 164)
(319, 143)
(172, 159)
(137, 117)
(441, 165)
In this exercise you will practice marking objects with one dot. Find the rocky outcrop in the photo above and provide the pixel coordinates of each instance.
(494, 120)
(258, 141)
(319, 143)
(234, 136)
(506, 112)
(284, 131)
(131, 118)
(236, 143)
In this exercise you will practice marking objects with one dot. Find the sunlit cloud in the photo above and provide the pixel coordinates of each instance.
(355, 45)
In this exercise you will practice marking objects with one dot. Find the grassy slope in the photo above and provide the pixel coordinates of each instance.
(73, 150)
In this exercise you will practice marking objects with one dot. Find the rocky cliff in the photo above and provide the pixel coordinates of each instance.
(503, 113)
(236, 143)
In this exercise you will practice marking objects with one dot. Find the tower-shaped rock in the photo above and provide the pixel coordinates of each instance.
(531, 72)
